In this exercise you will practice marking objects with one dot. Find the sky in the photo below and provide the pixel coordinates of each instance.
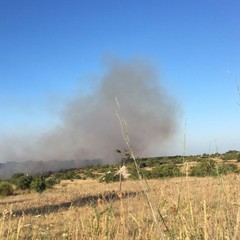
(54, 51)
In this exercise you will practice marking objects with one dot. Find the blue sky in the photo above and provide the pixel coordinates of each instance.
(50, 49)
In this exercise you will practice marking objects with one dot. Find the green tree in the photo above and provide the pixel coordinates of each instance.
(38, 184)
(24, 182)
(51, 181)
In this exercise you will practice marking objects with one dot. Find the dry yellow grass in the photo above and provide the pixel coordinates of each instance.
(208, 209)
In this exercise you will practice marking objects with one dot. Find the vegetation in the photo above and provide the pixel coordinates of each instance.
(6, 189)
(230, 155)
(204, 168)
(227, 168)
(211, 168)
(168, 170)
(38, 184)
(109, 177)
(87, 209)
(51, 181)
(24, 182)
(80, 205)
(150, 168)
(238, 157)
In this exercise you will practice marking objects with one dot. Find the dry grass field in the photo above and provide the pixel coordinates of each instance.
(184, 208)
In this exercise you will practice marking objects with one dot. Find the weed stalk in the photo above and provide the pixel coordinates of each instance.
(145, 187)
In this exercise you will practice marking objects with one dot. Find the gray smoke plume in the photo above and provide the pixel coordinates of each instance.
(90, 128)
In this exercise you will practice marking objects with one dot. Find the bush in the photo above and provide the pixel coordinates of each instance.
(38, 184)
(109, 177)
(227, 168)
(230, 155)
(132, 171)
(150, 162)
(160, 170)
(146, 174)
(16, 176)
(24, 182)
(204, 168)
(51, 181)
(89, 173)
(167, 170)
(6, 189)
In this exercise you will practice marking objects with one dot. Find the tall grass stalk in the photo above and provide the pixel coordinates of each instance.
(238, 213)
(145, 186)
(205, 220)
(236, 230)
(185, 166)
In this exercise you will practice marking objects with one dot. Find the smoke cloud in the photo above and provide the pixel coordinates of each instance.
(90, 128)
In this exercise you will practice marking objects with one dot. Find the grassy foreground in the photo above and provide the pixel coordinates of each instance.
(203, 208)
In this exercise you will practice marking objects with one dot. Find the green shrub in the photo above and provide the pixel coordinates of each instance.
(89, 173)
(132, 171)
(204, 168)
(205, 155)
(227, 168)
(230, 155)
(51, 181)
(23, 182)
(147, 174)
(38, 184)
(6, 189)
(166, 170)
(160, 170)
(109, 177)
(16, 176)
(150, 162)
